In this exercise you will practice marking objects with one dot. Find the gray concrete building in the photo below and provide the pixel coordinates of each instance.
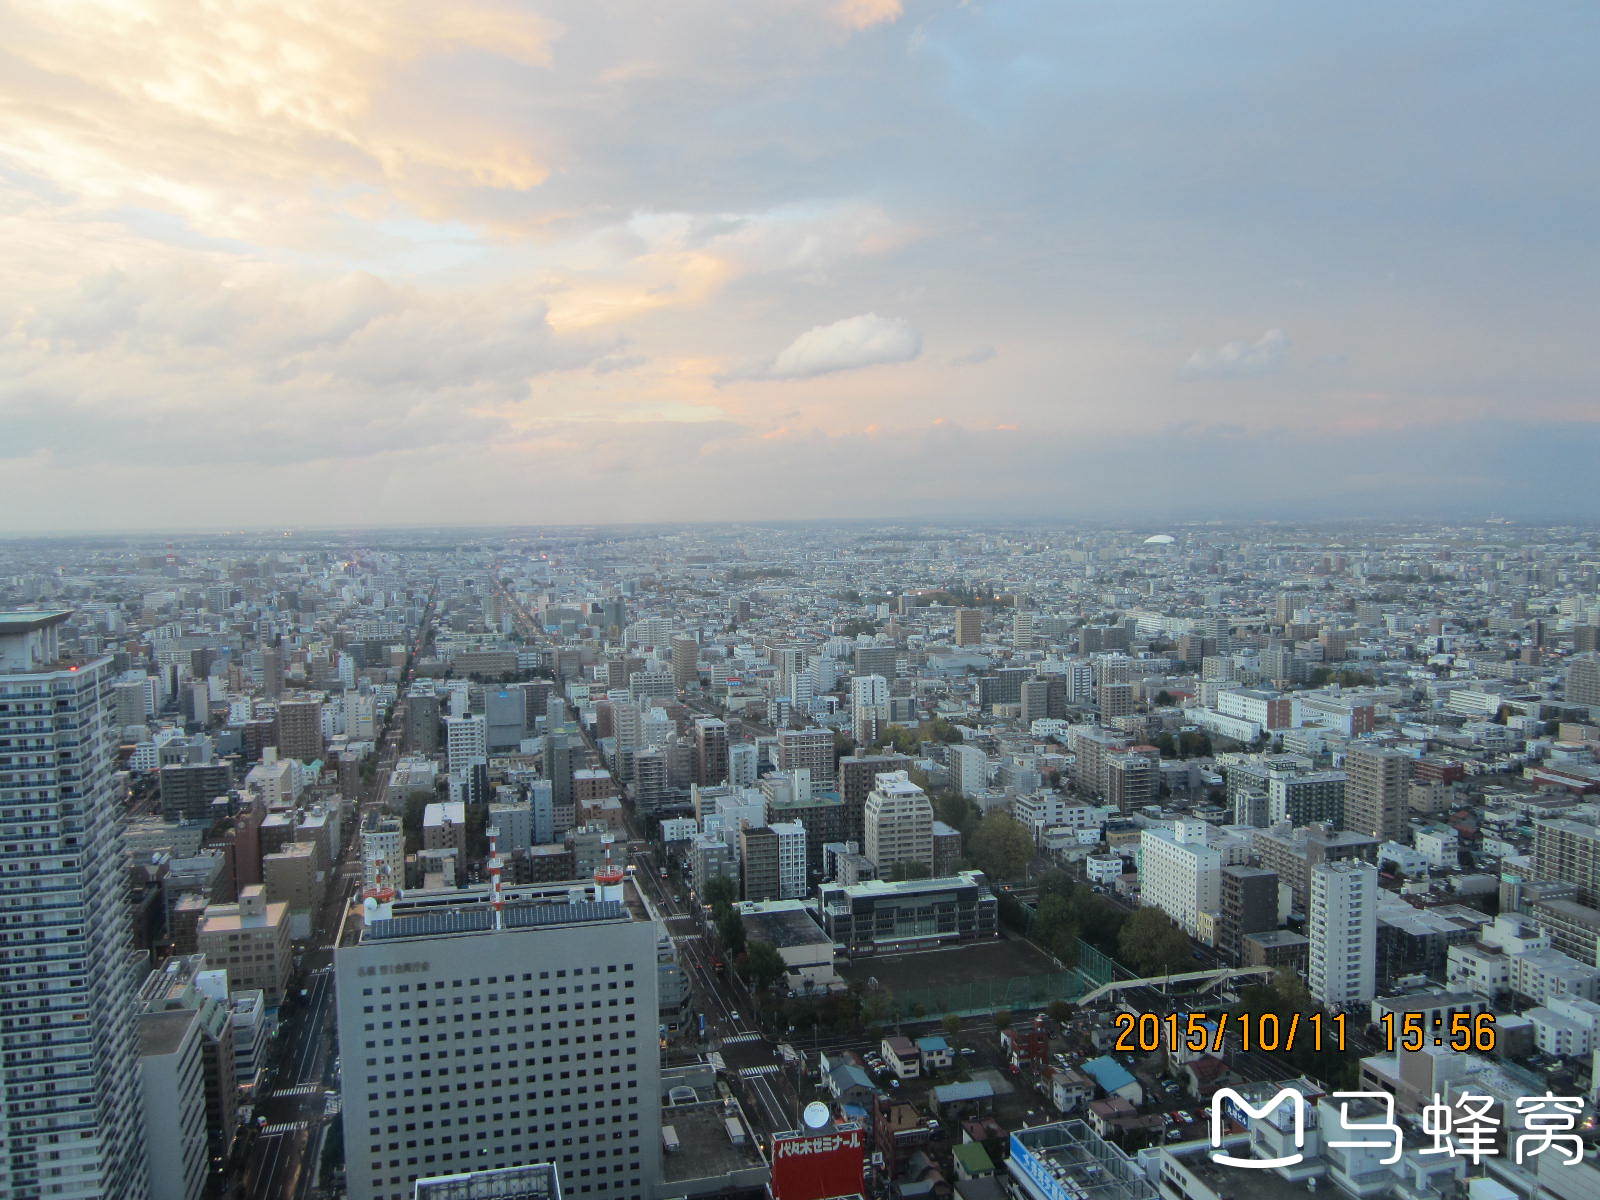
(471, 1047)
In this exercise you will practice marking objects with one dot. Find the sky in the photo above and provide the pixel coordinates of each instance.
(316, 262)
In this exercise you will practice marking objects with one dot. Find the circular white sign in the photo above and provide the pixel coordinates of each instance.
(816, 1115)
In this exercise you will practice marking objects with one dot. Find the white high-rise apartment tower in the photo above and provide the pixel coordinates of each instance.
(869, 708)
(1180, 872)
(466, 742)
(898, 821)
(1342, 921)
(69, 1099)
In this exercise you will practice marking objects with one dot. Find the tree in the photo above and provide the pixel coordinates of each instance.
(956, 811)
(1002, 1019)
(1152, 943)
(876, 1005)
(730, 928)
(952, 1026)
(763, 964)
(899, 739)
(1061, 1011)
(1002, 846)
(1056, 927)
(719, 889)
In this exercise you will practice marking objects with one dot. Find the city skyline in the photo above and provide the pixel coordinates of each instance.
(512, 264)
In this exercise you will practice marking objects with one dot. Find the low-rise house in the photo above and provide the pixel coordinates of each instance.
(957, 1101)
(901, 1055)
(1115, 1079)
(1069, 1089)
(936, 1053)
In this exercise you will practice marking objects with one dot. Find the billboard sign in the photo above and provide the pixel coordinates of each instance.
(817, 1164)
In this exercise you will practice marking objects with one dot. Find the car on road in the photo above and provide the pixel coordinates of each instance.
(968, 1050)
(733, 1017)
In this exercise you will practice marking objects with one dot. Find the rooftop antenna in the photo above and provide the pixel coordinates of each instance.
(494, 877)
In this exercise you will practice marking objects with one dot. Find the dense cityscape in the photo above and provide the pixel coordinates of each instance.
(799, 600)
(692, 861)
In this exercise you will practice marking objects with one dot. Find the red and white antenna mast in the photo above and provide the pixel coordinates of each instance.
(494, 877)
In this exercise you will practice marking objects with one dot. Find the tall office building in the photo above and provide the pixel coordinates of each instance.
(272, 672)
(466, 743)
(383, 851)
(858, 774)
(1376, 791)
(131, 700)
(1304, 797)
(758, 862)
(1569, 851)
(869, 708)
(1583, 680)
(710, 751)
(1342, 923)
(685, 661)
(1248, 904)
(1132, 779)
(1035, 698)
(505, 714)
(69, 1091)
(173, 1109)
(969, 769)
(899, 824)
(793, 852)
(742, 764)
(559, 751)
(422, 721)
(808, 748)
(1114, 700)
(1022, 630)
(969, 626)
(472, 1042)
(180, 1003)
(300, 729)
(1180, 872)
(189, 789)
(877, 660)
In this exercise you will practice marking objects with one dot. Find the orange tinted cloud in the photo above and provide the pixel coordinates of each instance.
(863, 14)
(225, 115)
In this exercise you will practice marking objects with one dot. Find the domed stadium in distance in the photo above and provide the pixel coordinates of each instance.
(1160, 539)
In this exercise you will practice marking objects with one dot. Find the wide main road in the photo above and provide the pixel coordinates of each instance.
(280, 1152)
(771, 1095)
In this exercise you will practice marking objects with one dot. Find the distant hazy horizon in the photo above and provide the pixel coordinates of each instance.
(1133, 524)
(489, 262)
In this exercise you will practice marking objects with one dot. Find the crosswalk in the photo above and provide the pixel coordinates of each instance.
(300, 1089)
(739, 1039)
(757, 1072)
(284, 1127)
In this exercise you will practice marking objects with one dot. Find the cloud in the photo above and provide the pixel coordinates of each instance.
(864, 14)
(262, 120)
(1240, 360)
(250, 363)
(865, 341)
